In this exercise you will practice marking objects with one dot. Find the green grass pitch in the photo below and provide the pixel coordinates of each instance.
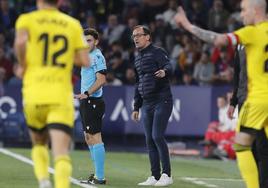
(125, 170)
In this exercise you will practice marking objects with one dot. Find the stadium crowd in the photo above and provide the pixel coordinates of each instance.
(194, 62)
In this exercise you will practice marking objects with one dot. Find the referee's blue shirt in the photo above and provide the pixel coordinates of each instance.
(88, 74)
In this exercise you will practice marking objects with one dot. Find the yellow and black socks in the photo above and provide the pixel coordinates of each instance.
(40, 157)
(248, 168)
(63, 171)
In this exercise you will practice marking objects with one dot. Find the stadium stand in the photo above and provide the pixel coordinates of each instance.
(115, 20)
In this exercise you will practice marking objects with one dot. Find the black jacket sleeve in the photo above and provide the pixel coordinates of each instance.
(234, 99)
(163, 61)
(137, 97)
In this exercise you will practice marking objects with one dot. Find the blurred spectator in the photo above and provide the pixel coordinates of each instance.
(25, 6)
(208, 3)
(114, 30)
(231, 5)
(223, 61)
(185, 55)
(223, 69)
(225, 77)
(170, 12)
(198, 14)
(5, 46)
(186, 59)
(17, 78)
(151, 8)
(91, 22)
(99, 8)
(178, 48)
(216, 54)
(188, 80)
(81, 8)
(7, 20)
(112, 80)
(113, 6)
(204, 70)
(234, 21)
(2, 40)
(118, 65)
(218, 16)
(7, 16)
(162, 33)
(126, 40)
(2, 76)
(130, 77)
(65, 6)
(132, 10)
(6, 64)
(117, 47)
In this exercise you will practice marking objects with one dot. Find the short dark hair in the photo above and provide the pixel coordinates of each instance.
(145, 29)
(92, 32)
(52, 2)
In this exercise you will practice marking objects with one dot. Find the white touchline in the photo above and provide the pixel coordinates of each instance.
(30, 162)
(215, 179)
(199, 181)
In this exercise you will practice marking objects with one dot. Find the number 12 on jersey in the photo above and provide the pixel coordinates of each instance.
(45, 38)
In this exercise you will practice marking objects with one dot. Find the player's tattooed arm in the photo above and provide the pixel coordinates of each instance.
(214, 38)
(205, 35)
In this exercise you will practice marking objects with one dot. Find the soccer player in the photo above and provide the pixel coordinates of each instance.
(260, 146)
(47, 43)
(254, 113)
(92, 106)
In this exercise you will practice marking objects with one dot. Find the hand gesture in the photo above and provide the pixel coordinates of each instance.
(80, 96)
(135, 116)
(230, 112)
(160, 73)
(181, 19)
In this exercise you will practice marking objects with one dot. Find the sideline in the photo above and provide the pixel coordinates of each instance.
(198, 181)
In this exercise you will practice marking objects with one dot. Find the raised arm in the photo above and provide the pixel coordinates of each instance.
(208, 36)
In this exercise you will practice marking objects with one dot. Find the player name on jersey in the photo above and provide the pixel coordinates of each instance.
(58, 22)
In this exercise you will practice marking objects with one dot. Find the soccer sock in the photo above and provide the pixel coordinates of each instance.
(248, 168)
(99, 158)
(40, 157)
(63, 171)
(91, 151)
